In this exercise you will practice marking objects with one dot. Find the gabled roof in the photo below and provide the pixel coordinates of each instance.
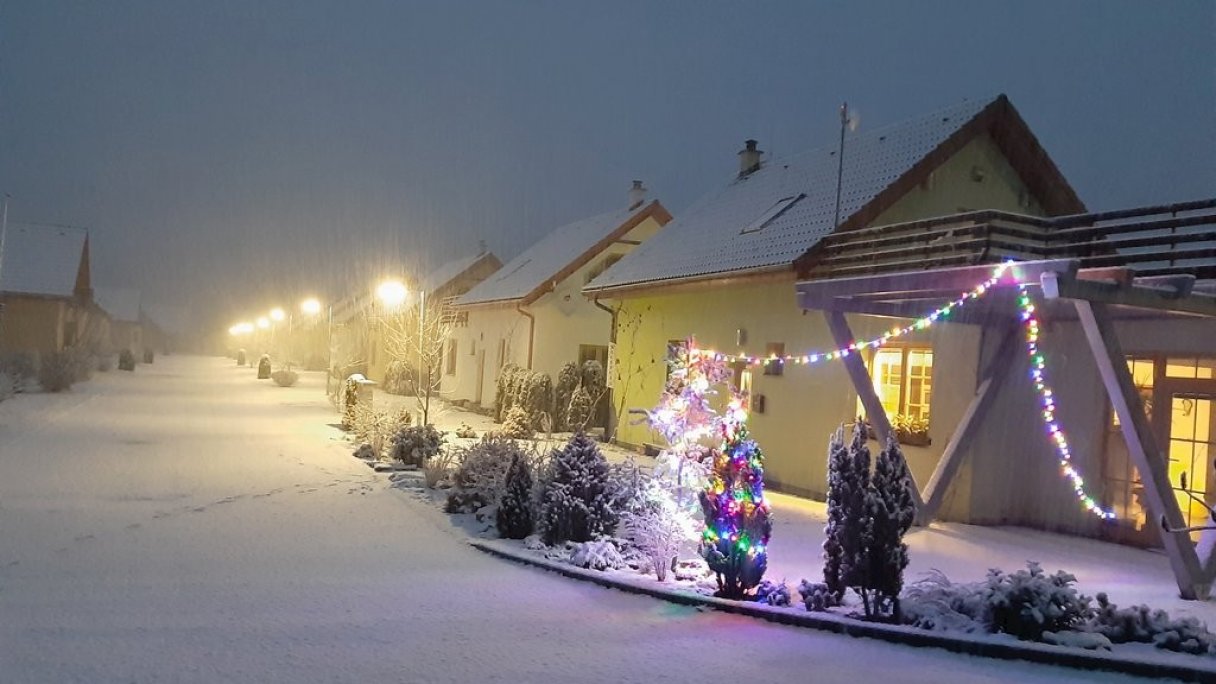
(768, 219)
(440, 277)
(528, 276)
(44, 261)
(122, 304)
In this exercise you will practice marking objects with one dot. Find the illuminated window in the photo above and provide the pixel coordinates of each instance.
(903, 380)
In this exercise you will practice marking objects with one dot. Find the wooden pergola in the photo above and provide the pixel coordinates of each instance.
(1095, 297)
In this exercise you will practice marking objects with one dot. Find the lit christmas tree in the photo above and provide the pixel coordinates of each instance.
(737, 518)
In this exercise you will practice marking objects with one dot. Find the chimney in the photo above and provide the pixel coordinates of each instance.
(749, 158)
(637, 195)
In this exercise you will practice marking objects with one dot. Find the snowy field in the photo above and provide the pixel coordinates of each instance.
(188, 523)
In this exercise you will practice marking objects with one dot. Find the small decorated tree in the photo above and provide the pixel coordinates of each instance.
(514, 517)
(738, 522)
(889, 514)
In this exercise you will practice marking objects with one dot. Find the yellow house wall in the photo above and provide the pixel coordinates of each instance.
(805, 404)
(32, 325)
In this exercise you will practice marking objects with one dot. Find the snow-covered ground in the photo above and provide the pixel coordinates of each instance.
(963, 552)
(190, 523)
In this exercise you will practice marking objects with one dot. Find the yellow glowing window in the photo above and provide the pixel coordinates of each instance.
(903, 380)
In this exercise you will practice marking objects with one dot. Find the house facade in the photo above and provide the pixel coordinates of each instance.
(724, 273)
(532, 313)
(125, 320)
(45, 290)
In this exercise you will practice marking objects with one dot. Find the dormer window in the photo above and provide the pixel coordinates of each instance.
(779, 207)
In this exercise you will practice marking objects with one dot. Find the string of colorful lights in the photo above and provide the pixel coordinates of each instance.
(1038, 374)
(919, 324)
(1038, 371)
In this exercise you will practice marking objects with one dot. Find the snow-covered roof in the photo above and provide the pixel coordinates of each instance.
(42, 260)
(122, 304)
(554, 256)
(769, 218)
(452, 270)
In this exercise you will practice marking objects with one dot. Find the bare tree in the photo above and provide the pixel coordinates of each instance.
(419, 336)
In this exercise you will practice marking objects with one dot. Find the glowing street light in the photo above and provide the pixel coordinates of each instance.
(242, 328)
(263, 322)
(277, 314)
(311, 306)
(391, 293)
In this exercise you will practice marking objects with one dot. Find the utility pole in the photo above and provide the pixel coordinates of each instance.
(3, 234)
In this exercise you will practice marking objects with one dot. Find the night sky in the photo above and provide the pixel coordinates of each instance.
(230, 156)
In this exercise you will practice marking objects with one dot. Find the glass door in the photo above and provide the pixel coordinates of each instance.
(1190, 451)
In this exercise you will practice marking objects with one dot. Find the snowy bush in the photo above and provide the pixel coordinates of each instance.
(285, 378)
(576, 501)
(504, 391)
(816, 596)
(436, 468)
(415, 445)
(240, 357)
(516, 424)
(514, 517)
(1140, 624)
(568, 380)
(1028, 602)
(773, 593)
(598, 554)
(126, 360)
(656, 526)
(350, 403)
(20, 369)
(366, 452)
(536, 398)
(399, 378)
(578, 413)
(936, 603)
(57, 371)
(479, 477)
(264, 367)
(466, 431)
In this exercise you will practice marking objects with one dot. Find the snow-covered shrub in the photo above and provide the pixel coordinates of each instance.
(1028, 602)
(516, 424)
(240, 357)
(264, 367)
(466, 431)
(285, 378)
(816, 596)
(399, 378)
(1141, 624)
(57, 371)
(889, 513)
(773, 593)
(578, 413)
(366, 452)
(536, 397)
(415, 444)
(848, 479)
(598, 554)
(594, 384)
(504, 391)
(479, 477)
(436, 468)
(20, 369)
(656, 526)
(350, 403)
(576, 502)
(935, 603)
(514, 517)
(126, 360)
(568, 380)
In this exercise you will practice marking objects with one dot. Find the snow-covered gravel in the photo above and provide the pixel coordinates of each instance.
(190, 523)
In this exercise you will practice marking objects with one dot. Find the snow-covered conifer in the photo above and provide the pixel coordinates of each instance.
(514, 516)
(575, 505)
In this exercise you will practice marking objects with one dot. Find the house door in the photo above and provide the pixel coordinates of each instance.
(1180, 397)
(481, 374)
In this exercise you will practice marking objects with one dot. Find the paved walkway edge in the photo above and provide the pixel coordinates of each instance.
(900, 634)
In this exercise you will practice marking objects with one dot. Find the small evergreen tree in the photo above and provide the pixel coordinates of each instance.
(737, 518)
(890, 511)
(126, 360)
(575, 504)
(578, 413)
(567, 381)
(514, 518)
(845, 543)
(504, 392)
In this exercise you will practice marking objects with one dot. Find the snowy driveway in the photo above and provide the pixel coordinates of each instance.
(190, 523)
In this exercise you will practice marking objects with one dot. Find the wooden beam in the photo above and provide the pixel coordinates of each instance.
(998, 369)
(1065, 287)
(1142, 448)
(875, 413)
(910, 310)
(1180, 285)
(950, 279)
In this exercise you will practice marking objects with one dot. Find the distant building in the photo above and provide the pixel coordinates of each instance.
(45, 290)
(122, 307)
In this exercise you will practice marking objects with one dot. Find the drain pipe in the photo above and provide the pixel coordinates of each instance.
(610, 428)
(531, 330)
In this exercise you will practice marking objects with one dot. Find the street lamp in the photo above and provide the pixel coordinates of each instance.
(391, 293)
(277, 314)
(311, 306)
(263, 322)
